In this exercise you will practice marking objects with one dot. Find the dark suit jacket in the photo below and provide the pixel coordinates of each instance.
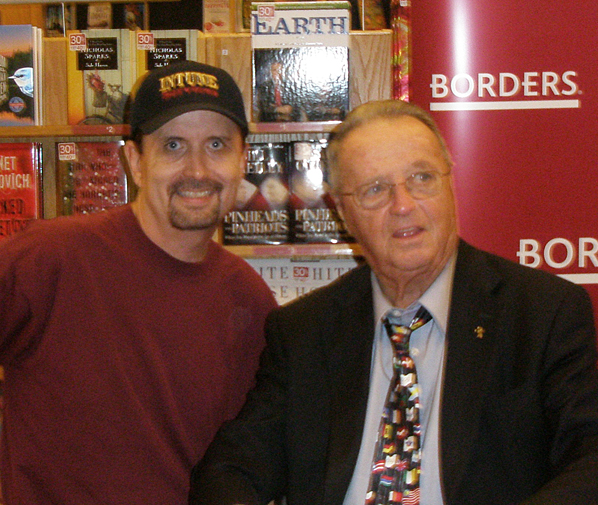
(519, 420)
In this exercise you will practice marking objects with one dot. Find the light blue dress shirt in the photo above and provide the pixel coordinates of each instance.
(427, 348)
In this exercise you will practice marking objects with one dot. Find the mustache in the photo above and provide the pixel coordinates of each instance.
(191, 184)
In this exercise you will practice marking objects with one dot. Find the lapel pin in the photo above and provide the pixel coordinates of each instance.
(479, 332)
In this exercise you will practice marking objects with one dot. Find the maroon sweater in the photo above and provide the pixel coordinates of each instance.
(121, 362)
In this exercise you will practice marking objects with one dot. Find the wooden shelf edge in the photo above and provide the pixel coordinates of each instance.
(296, 250)
(122, 130)
(64, 131)
(307, 127)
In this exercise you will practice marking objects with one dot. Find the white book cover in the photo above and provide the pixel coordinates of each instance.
(300, 61)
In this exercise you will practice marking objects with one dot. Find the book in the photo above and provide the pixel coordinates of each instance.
(300, 61)
(261, 214)
(101, 74)
(314, 218)
(91, 177)
(99, 16)
(158, 48)
(20, 73)
(55, 20)
(20, 186)
(134, 15)
(217, 16)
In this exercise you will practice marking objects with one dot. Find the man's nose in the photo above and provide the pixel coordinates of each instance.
(401, 201)
(196, 166)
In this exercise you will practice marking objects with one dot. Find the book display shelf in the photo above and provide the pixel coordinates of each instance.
(369, 79)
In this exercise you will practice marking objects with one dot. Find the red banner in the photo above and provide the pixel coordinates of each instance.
(514, 88)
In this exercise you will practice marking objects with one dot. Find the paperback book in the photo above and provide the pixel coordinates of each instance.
(159, 48)
(20, 71)
(101, 74)
(314, 218)
(300, 53)
(20, 186)
(261, 214)
(91, 177)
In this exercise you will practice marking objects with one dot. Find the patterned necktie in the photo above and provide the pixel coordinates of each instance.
(396, 465)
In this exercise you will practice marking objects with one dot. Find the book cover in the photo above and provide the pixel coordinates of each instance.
(99, 16)
(300, 54)
(134, 16)
(261, 214)
(101, 74)
(20, 186)
(91, 177)
(19, 75)
(158, 48)
(55, 20)
(217, 15)
(314, 218)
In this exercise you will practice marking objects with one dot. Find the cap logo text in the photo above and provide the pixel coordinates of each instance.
(187, 79)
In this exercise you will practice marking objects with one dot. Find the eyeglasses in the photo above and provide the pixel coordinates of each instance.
(420, 185)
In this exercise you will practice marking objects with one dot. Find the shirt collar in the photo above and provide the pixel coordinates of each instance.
(437, 298)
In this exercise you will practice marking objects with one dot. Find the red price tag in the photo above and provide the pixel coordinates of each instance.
(265, 11)
(77, 42)
(300, 272)
(67, 151)
(145, 41)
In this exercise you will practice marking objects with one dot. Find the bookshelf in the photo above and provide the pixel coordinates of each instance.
(370, 79)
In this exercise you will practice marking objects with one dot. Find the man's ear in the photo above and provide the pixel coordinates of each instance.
(133, 157)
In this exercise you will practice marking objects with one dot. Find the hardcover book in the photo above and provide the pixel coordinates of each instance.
(20, 186)
(20, 70)
(300, 61)
(91, 177)
(99, 16)
(261, 214)
(55, 20)
(217, 16)
(314, 218)
(101, 74)
(134, 15)
(159, 48)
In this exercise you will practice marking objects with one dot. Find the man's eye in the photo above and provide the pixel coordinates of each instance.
(373, 190)
(172, 145)
(423, 177)
(216, 144)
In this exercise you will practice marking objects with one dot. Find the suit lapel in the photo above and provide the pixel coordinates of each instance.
(349, 358)
(472, 339)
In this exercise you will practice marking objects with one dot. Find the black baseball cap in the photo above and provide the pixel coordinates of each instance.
(167, 92)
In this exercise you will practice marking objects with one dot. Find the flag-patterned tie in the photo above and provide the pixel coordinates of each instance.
(397, 457)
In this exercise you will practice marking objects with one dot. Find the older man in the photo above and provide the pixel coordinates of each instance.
(437, 374)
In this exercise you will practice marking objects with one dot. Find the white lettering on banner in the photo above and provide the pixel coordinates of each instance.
(549, 85)
(560, 253)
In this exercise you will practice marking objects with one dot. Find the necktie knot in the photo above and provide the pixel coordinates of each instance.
(399, 333)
